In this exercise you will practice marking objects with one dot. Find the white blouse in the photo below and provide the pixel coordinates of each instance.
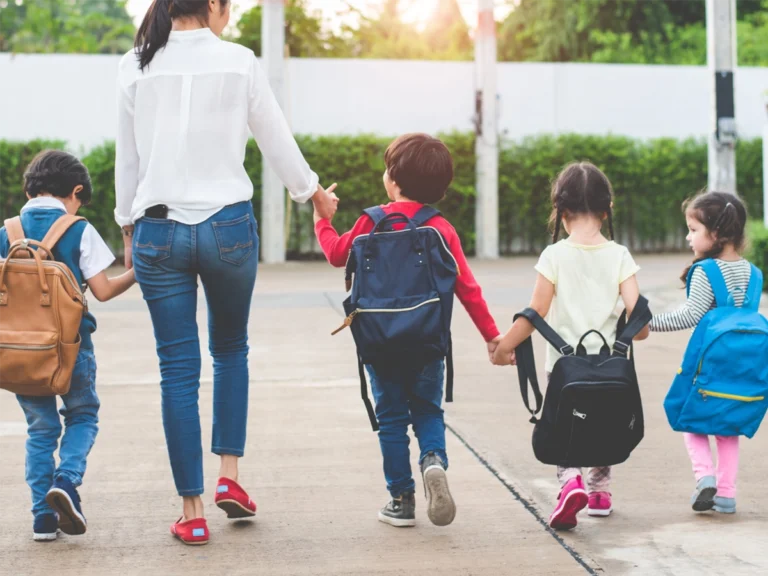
(183, 125)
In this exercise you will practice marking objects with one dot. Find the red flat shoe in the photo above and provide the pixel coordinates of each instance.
(192, 532)
(231, 498)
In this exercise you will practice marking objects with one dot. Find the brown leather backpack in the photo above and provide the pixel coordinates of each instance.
(41, 307)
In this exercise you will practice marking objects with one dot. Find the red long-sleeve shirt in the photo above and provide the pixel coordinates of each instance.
(337, 248)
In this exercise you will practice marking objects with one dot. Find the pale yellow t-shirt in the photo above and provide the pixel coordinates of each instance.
(586, 280)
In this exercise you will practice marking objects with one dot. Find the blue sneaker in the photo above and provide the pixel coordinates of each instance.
(45, 527)
(65, 500)
(725, 505)
(703, 498)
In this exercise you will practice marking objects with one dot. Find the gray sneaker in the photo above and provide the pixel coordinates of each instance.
(400, 512)
(703, 498)
(441, 508)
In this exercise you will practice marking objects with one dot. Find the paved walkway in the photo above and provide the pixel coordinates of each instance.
(314, 467)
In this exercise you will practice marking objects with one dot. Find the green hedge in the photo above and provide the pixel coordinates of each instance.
(651, 180)
(758, 249)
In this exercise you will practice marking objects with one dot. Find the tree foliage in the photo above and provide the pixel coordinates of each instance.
(66, 26)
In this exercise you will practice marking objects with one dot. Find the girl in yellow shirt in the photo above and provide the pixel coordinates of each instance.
(580, 281)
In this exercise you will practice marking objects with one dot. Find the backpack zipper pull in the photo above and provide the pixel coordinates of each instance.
(579, 415)
(347, 322)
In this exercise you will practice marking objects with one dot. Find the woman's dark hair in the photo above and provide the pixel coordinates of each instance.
(581, 188)
(155, 29)
(725, 218)
(57, 173)
(421, 165)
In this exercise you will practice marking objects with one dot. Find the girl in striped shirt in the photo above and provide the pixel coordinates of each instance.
(716, 223)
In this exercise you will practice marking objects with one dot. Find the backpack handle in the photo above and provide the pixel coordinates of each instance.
(25, 246)
(391, 218)
(581, 350)
(388, 219)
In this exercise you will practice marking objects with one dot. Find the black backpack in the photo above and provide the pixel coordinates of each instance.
(593, 415)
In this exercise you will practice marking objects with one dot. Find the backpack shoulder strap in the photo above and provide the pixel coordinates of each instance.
(716, 280)
(375, 213)
(755, 289)
(14, 229)
(59, 228)
(526, 372)
(546, 331)
(424, 215)
(526, 363)
(641, 315)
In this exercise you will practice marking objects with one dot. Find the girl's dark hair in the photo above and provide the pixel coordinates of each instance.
(155, 29)
(581, 188)
(725, 218)
(57, 173)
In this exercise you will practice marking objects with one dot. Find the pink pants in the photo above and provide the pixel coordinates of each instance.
(700, 453)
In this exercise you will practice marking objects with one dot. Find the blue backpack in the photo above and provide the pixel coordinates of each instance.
(722, 387)
(401, 299)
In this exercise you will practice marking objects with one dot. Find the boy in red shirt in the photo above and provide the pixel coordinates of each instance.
(419, 171)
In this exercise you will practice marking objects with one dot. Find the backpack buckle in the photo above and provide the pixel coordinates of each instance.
(566, 350)
(620, 347)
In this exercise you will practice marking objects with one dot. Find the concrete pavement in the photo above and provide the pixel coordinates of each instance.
(313, 465)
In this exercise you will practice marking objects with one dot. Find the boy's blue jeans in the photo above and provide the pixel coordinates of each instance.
(408, 395)
(168, 258)
(81, 417)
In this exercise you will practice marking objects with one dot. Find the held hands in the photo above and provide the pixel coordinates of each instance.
(326, 203)
(499, 354)
(492, 345)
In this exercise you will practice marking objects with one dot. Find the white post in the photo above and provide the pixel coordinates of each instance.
(487, 146)
(273, 194)
(765, 163)
(721, 61)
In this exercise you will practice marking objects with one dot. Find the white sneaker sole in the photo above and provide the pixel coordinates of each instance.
(441, 508)
(70, 520)
(397, 522)
(599, 513)
(43, 537)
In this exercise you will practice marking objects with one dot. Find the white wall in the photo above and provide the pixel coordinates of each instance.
(72, 97)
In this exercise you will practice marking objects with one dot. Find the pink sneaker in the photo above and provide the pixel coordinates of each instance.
(572, 500)
(600, 504)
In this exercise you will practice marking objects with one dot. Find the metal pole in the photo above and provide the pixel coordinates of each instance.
(487, 144)
(273, 194)
(765, 163)
(721, 61)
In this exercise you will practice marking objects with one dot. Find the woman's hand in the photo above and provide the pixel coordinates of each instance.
(325, 202)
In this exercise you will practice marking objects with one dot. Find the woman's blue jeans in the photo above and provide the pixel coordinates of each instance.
(168, 258)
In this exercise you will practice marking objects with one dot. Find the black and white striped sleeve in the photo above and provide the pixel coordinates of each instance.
(700, 301)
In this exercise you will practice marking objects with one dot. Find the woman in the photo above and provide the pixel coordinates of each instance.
(186, 101)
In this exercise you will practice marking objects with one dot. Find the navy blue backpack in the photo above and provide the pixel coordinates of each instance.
(722, 386)
(401, 301)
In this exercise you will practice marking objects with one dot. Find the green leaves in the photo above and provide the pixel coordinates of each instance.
(626, 31)
(65, 26)
(383, 35)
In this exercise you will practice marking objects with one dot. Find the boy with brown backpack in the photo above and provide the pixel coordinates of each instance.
(49, 257)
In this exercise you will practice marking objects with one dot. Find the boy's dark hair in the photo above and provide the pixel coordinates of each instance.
(581, 188)
(57, 173)
(725, 218)
(421, 165)
(155, 29)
